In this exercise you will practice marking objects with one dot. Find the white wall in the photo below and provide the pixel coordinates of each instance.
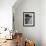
(27, 5)
(6, 13)
(32, 33)
(43, 22)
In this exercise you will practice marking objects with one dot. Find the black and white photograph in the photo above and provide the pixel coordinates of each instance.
(28, 18)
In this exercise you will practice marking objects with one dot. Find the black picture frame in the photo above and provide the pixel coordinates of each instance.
(28, 19)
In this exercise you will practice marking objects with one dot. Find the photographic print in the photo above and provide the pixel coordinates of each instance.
(28, 19)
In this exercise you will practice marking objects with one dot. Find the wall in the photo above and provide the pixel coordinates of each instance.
(43, 22)
(32, 33)
(6, 13)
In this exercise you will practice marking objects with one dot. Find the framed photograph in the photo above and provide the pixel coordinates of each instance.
(29, 19)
